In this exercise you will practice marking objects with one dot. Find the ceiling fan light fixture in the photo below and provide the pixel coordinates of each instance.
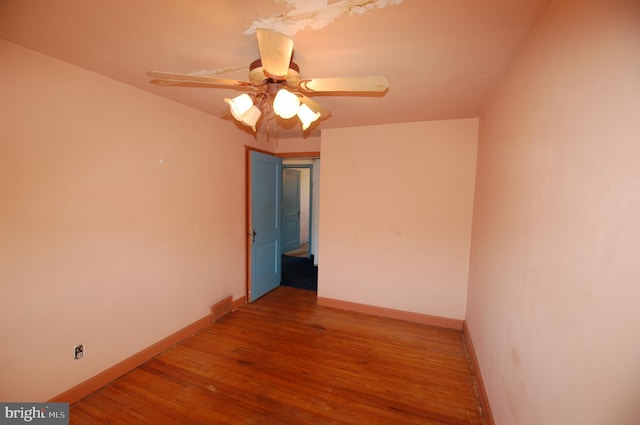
(286, 104)
(239, 105)
(251, 117)
(269, 78)
(243, 110)
(307, 116)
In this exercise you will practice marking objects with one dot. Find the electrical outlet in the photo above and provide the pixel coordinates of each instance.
(78, 352)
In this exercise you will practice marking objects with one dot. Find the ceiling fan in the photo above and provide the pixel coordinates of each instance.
(274, 86)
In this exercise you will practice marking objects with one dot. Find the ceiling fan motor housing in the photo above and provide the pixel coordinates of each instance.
(258, 76)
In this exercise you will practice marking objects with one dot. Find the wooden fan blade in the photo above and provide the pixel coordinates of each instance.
(371, 83)
(178, 83)
(275, 52)
(315, 106)
(171, 79)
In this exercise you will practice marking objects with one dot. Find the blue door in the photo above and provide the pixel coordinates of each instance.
(290, 209)
(266, 180)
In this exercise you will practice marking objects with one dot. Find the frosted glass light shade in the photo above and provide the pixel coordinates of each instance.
(307, 116)
(251, 117)
(239, 105)
(243, 110)
(286, 104)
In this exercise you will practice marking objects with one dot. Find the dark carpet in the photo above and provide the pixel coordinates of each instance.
(299, 273)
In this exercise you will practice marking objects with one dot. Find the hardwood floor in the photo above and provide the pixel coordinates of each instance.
(285, 360)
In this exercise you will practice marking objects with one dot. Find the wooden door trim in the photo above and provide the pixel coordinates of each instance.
(298, 155)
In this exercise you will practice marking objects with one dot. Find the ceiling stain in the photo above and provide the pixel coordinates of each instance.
(316, 14)
(221, 71)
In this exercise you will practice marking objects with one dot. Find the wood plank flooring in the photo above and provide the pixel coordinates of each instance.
(285, 360)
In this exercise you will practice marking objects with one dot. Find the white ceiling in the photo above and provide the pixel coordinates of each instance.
(442, 57)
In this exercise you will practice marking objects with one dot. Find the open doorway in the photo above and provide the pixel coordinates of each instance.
(264, 250)
(299, 266)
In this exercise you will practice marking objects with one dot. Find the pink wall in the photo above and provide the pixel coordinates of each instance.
(121, 221)
(301, 144)
(555, 275)
(395, 215)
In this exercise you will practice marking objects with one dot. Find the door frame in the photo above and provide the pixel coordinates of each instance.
(247, 202)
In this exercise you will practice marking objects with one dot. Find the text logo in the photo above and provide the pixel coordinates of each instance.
(34, 413)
